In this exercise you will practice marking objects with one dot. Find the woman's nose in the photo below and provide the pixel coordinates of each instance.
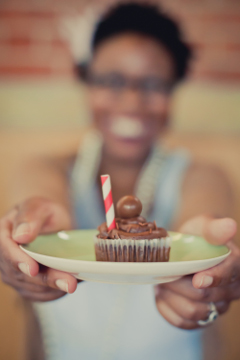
(131, 100)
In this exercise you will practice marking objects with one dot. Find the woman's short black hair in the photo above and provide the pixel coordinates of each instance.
(146, 20)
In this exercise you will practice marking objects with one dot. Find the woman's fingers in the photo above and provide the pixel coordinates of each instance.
(220, 231)
(182, 312)
(184, 287)
(47, 279)
(14, 262)
(56, 280)
(11, 255)
(173, 318)
(188, 309)
(49, 295)
(22, 225)
(222, 293)
(31, 291)
(223, 274)
(19, 281)
(215, 231)
(38, 215)
(186, 301)
(30, 218)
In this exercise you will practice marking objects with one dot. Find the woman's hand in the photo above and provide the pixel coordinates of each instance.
(186, 301)
(20, 226)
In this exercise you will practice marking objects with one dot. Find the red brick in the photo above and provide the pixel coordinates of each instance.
(26, 71)
(18, 12)
(24, 26)
(212, 32)
(23, 73)
(202, 8)
(217, 60)
(61, 60)
(34, 46)
(233, 78)
(44, 6)
(5, 31)
(34, 56)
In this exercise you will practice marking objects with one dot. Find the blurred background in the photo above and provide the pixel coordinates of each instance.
(43, 110)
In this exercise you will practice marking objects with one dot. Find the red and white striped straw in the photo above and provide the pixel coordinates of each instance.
(108, 201)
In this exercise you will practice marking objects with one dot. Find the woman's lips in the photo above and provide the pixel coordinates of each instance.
(127, 128)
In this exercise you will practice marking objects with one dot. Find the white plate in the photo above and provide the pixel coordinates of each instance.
(73, 252)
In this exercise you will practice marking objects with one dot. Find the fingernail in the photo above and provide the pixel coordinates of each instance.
(22, 229)
(62, 284)
(206, 281)
(24, 268)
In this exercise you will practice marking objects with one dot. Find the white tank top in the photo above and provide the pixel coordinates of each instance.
(117, 322)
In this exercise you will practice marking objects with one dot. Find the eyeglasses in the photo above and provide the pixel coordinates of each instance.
(117, 83)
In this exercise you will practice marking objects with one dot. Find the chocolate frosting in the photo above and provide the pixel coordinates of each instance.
(131, 227)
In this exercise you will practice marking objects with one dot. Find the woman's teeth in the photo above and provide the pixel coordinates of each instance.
(127, 128)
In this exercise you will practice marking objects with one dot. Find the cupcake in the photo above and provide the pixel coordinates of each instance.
(134, 239)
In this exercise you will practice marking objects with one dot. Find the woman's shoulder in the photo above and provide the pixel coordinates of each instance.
(196, 172)
(206, 189)
(200, 173)
(72, 149)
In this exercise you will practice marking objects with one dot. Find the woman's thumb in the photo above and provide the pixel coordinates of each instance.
(33, 217)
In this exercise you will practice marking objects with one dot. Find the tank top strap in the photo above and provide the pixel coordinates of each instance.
(86, 199)
(168, 187)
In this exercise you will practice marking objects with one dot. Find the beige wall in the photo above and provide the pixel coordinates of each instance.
(197, 107)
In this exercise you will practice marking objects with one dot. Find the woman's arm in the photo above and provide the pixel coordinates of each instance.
(186, 301)
(41, 190)
(205, 190)
(41, 176)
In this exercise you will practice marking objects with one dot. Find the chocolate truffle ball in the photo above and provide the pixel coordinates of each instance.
(129, 207)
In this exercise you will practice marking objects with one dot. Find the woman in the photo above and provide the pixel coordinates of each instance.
(137, 59)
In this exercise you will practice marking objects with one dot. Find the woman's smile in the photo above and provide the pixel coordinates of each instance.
(127, 128)
(129, 79)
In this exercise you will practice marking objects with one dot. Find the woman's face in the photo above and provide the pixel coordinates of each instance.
(129, 90)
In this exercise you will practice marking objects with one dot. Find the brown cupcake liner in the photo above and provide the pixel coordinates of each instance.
(131, 250)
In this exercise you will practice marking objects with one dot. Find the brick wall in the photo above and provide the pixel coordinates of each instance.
(32, 45)
(212, 27)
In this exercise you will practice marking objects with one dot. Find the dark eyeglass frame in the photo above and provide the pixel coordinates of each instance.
(117, 83)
